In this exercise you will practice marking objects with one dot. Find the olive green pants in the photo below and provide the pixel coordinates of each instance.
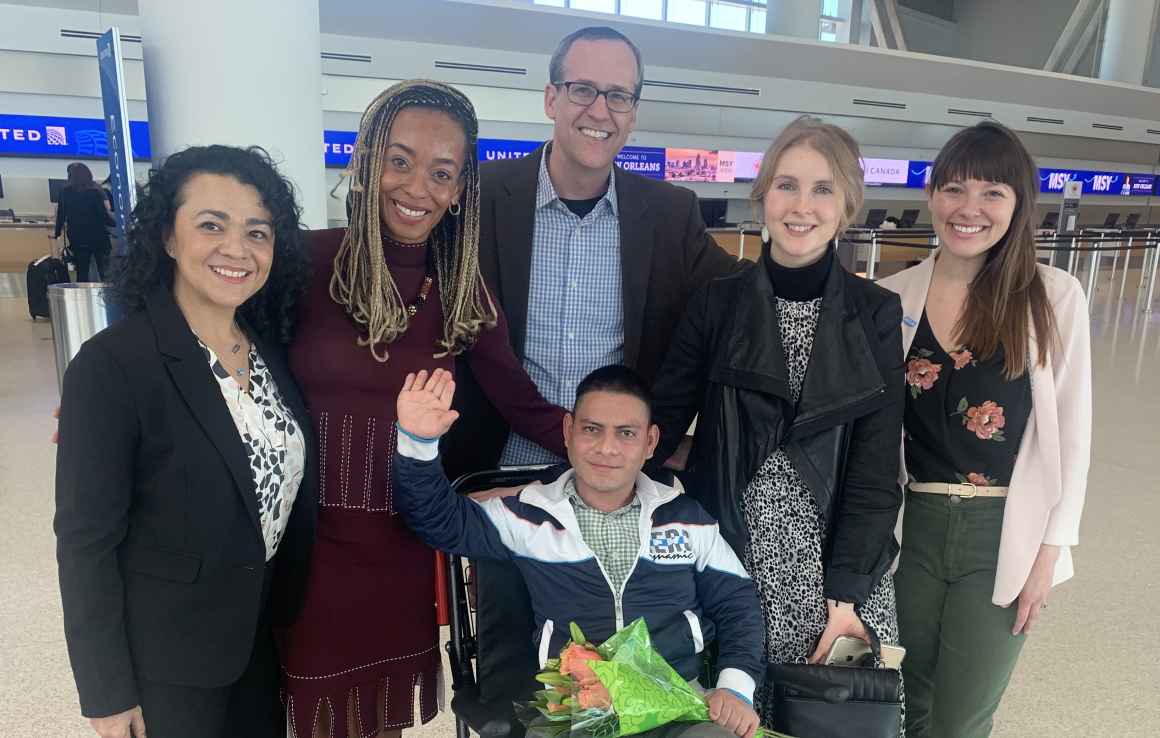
(959, 649)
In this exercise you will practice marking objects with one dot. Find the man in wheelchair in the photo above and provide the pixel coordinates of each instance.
(602, 545)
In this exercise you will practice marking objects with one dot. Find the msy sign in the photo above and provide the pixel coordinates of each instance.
(1056, 181)
(1103, 182)
(1094, 183)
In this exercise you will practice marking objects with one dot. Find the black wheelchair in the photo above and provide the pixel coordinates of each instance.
(497, 636)
(497, 633)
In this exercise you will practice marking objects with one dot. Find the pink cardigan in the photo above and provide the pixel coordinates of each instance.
(1047, 489)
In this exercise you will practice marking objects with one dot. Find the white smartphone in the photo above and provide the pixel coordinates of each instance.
(847, 651)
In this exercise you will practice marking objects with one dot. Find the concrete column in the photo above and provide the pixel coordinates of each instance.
(1127, 40)
(793, 18)
(239, 73)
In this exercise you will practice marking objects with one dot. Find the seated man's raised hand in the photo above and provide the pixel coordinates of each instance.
(424, 404)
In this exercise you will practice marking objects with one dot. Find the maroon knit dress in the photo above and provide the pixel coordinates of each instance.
(368, 622)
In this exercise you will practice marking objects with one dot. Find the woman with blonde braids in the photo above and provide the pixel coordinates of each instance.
(396, 292)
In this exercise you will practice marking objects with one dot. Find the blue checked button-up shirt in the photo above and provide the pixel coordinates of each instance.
(575, 309)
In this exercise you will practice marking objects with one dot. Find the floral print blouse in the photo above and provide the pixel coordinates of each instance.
(964, 421)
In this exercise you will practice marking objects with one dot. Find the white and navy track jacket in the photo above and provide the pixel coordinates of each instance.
(687, 583)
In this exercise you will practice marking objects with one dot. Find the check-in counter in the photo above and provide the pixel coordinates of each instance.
(898, 251)
(21, 243)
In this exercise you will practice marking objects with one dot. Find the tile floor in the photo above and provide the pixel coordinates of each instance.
(1093, 668)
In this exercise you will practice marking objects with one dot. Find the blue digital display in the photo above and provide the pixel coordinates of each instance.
(1138, 185)
(40, 136)
(496, 149)
(1097, 183)
(337, 147)
(67, 138)
(918, 174)
(646, 161)
(1052, 181)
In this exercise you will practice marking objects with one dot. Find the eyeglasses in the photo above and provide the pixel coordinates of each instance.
(582, 93)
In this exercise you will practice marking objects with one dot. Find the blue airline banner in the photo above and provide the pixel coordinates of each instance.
(68, 138)
(646, 161)
(1124, 184)
(337, 147)
(1097, 183)
(643, 160)
(918, 174)
(496, 149)
(86, 138)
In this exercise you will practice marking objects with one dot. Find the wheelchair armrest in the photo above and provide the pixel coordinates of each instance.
(489, 719)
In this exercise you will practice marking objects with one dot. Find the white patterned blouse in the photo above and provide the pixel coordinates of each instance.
(273, 441)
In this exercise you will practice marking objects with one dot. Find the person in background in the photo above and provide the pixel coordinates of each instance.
(82, 212)
(795, 369)
(185, 503)
(593, 265)
(397, 291)
(997, 434)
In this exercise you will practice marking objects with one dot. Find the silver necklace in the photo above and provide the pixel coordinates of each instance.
(241, 371)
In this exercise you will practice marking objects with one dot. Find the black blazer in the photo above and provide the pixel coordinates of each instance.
(728, 364)
(160, 553)
(665, 255)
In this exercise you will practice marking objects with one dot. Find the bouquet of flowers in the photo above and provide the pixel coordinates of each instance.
(621, 687)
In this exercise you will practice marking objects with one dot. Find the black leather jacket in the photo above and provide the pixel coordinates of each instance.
(726, 363)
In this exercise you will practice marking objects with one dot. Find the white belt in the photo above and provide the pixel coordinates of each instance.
(965, 490)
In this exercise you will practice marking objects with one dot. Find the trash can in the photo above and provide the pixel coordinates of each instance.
(78, 312)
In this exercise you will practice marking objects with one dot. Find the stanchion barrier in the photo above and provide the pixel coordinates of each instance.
(1127, 262)
(1151, 282)
(875, 239)
(743, 230)
(1093, 270)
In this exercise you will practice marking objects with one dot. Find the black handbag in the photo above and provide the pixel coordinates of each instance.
(816, 701)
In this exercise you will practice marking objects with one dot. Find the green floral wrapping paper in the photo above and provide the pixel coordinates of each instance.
(645, 692)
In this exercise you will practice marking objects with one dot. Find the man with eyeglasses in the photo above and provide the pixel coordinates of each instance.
(592, 265)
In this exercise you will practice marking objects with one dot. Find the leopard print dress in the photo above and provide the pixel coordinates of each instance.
(784, 553)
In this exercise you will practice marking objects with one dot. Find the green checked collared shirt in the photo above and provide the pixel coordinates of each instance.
(613, 536)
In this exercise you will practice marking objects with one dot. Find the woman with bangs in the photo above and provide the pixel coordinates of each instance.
(794, 369)
(997, 434)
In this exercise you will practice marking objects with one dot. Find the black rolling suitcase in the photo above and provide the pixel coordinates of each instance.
(41, 273)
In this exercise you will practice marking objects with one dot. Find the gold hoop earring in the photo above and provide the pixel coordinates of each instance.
(455, 209)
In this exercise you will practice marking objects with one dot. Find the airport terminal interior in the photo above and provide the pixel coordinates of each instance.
(1077, 80)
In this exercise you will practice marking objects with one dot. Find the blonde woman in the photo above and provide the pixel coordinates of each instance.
(397, 292)
(795, 370)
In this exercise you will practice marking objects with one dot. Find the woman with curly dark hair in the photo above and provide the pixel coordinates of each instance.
(185, 506)
(396, 292)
